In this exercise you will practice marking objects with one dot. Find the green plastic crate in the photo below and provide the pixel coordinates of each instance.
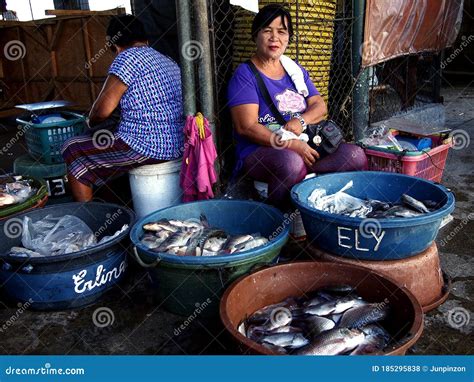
(44, 140)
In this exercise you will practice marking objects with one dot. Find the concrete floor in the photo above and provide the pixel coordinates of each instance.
(141, 326)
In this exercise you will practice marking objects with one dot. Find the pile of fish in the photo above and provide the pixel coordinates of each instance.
(15, 189)
(333, 320)
(342, 203)
(193, 238)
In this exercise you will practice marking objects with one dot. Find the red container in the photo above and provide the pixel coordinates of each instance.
(428, 166)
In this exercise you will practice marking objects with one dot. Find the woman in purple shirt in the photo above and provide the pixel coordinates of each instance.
(260, 152)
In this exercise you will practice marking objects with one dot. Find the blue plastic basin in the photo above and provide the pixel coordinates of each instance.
(71, 280)
(185, 282)
(372, 239)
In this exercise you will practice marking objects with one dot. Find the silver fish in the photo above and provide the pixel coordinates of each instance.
(160, 225)
(415, 204)
(333, 307)
(263, 315)
(400, 212)
(186, 225)
(334, 341)
(316, 325)
(286, 340)
(178, 239)
(214, 244)
(363, 315)
(234, 241)
(251, 244)
(376, 339)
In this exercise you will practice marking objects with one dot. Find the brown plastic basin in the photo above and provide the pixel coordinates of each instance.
(420, 274)
(274, 284)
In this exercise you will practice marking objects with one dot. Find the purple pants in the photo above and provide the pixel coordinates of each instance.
(283, 168)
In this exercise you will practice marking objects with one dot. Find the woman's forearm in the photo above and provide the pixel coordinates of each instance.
(316, 110)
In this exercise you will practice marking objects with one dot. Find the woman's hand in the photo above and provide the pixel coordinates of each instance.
(308, 154)
(294, 125)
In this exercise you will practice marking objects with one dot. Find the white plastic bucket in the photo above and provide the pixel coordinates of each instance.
(155, 186)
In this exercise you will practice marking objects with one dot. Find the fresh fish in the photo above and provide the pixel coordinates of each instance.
(204, 221)
(263, 315)
(363, 315)
(415, 204)
(214, 243)
(335, 317)
(251, 244)
(376, 339)
(160, 225)
(24, 252)
(234, 241)
(378, 205)
(6, 199)
(315, 325)
(334, 341)
(286, 340)
(400, 212)
(178, 239)
(186, 225)
(333, 307)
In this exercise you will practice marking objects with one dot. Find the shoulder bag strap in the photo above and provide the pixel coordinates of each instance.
(266, 95)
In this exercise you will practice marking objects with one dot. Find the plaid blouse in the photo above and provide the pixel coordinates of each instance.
(152, 111)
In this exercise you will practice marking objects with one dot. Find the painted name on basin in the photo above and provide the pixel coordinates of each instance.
(349, 238)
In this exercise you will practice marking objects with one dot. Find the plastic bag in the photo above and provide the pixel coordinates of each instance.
(57, 236)
(339, 202)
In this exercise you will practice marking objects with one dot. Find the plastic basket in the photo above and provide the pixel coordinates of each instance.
(427, 164)
(44, 140)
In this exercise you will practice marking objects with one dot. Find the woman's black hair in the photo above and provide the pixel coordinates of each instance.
(269, 13)
(124, 30)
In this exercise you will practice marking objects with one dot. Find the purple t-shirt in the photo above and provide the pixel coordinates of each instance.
(243, 89)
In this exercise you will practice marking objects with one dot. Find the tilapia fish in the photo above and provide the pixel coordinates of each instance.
(192, 238)
(331, 320)
(333, 342)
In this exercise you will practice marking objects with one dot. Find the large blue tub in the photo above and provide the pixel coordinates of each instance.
(71, 280)
(373, 239)
(188, 284)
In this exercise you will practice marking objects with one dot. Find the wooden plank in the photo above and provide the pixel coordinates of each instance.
(73, 12)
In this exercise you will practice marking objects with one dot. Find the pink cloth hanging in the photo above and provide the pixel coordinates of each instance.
(197, 171)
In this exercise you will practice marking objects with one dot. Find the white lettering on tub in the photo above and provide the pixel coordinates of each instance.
(101, 277)
(340, 238)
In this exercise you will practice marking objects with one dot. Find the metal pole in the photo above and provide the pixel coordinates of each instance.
(183, 15)
(206, 78)
(360, 94)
